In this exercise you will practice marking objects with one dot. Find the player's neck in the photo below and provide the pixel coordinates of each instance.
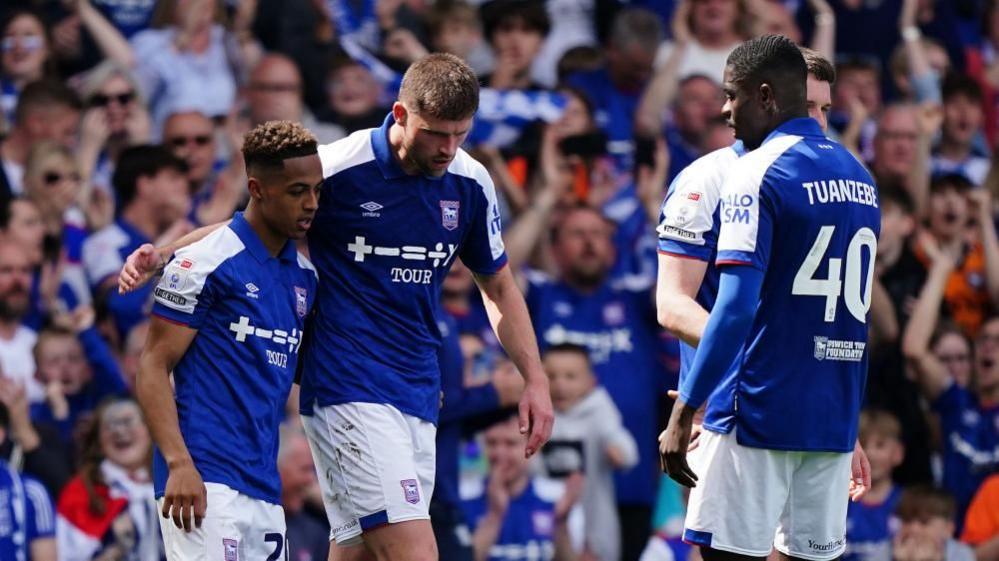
(518, 486)
(274, 241)
(399, 151)
(143, 219)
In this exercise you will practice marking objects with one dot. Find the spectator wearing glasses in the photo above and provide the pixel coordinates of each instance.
(115, 119)
(217, 188)
(275, 94)
(153, 196)
(25, 54)
(46, 110)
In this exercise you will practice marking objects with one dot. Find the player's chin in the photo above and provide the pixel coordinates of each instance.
(300, 228)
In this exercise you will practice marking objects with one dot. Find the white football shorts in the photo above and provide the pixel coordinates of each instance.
(375, 464)
(749, 499)
(236, 527)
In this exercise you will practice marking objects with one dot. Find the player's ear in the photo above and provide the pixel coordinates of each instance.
(399, 113)
(767, 99)
(255, 188)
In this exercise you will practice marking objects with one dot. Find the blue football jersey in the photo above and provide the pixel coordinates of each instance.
(528, 530)
(617, 324)
(970, 443)
(688, 228)
(104, 254)
(26, 514)
(232, 383)
(383, 241)
(870, 528)
(802, 209)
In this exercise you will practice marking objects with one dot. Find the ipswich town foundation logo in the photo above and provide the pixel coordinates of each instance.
(449, 214)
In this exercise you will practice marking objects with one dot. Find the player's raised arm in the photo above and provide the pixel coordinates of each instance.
(512, 324)
(144, 263)
(185, 494)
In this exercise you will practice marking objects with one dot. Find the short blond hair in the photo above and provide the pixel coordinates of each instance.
(270, 143)
(878, 422)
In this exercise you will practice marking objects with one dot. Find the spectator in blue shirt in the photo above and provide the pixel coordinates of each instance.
(868, 521)
(28, 528)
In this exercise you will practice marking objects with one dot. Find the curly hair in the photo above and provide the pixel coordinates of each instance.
(442, 86)
(270, 143)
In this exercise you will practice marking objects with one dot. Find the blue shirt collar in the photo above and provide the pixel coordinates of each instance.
(801, 126)
(387, 163)
(255, 245)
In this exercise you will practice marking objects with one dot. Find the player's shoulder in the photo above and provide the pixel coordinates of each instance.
(345, 153)
(209, 253)
(464, 165)
(705, 172)
(749, 172)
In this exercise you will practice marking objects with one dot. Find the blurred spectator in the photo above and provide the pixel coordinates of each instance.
(108, 511)
(704, 33)
(29, 524)
(510, 515)
(354, 96)
(466, 400)
(573, 28)
(153, 202)
(132, 351)
(115, 118)
(17, 362)
(307, 537)
(962, 104)
(454, 27)
(46, 110)
(868, 528)
(917, 64)
(587, 437)
(926, 526)
(217, 188)
(21, 223)
(698, 99)
(895, 143)
(968, 423)
(616, 89)
(983, 65)
(515, 30)
(274, 93)
(617, 324)
(25, 59)
(77, 370)
(981, 526)
(856, 103)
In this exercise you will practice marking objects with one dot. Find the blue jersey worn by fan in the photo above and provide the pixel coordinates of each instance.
(231, 385)
(26, 514)
(799, 224)
(528, 529)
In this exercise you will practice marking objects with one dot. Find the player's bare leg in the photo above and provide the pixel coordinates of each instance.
(349, 553)
(412, 540)
(709, 554)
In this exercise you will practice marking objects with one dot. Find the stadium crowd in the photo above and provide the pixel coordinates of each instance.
(122, 122)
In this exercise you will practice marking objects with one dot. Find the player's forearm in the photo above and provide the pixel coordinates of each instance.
(725, 333)
(152, 388)
(510, 321)
(682, 316)
(187, 239)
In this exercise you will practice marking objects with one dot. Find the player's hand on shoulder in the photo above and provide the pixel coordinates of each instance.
(140, 266)
(185, 497)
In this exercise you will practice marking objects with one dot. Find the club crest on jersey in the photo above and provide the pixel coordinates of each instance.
(544, 524)
(449, 214)
(821, 344)
(301, 301)
(614, 313)
(410, 490)
(231, 548)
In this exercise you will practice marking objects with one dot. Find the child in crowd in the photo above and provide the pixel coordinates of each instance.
(588, 437)
(869, 521)
(926, 526)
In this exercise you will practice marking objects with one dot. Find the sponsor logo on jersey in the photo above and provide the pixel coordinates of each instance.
(830, 546)
(600, 343)
(176, 279)
(694, 196)
(673, 232)
(252, 290)
(834, 349)
(449, 214)
(171, 297)
(735, 208)
(301, 301)
(231, 548)
(243, 329)
(371, 209)
(186, 264)
(410, 490)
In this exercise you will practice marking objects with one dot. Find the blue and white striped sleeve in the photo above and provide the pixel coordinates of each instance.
(40, 512)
